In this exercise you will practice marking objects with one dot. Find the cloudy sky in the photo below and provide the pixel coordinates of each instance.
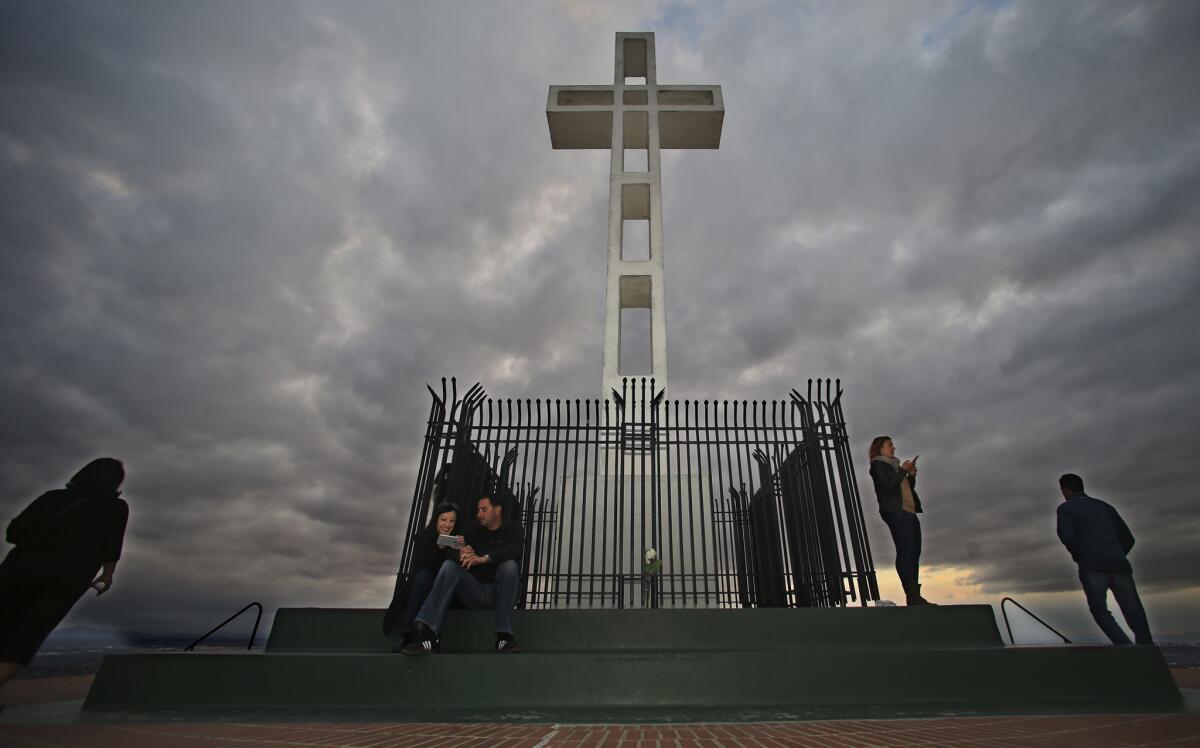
(238, 238)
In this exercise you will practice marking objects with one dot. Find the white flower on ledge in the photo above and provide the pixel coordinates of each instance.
(651, 563)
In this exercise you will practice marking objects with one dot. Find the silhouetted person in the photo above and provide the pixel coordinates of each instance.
(487, 575)
(1099, 541)
(895, 487)
(66, 541)
(428, 558)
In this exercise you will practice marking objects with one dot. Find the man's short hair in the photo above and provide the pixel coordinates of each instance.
(1071, 482)
(491, 501)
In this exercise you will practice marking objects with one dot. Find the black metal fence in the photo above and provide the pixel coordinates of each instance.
(745, 503)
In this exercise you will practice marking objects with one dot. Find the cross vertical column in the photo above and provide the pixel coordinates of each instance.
(640, 116)
(633, 196)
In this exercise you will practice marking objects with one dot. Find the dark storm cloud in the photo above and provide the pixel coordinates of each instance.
(992, 225)
(238, 238)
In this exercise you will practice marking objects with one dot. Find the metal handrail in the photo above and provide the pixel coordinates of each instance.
(1004, 613)
(253, 633)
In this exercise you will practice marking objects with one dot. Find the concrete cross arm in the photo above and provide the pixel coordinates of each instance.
(583, 116)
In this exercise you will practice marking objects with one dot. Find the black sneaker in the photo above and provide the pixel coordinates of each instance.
(405, 639)
(506, 644)
(418, 647)
(424, 641)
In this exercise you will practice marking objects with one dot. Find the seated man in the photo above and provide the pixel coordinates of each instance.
(487, 575)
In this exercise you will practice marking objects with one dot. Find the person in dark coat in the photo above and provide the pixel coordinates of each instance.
(1100, 541)
(428, 557)
(66, 541)
(486, 575)
(895, 487)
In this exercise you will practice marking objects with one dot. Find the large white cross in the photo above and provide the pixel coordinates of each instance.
(635, 115)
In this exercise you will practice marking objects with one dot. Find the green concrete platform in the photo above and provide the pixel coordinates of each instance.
(645, 665)
(358, 630)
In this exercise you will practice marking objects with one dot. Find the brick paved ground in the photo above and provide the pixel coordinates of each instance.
(45, 690)
(1101, 731)
(1010, 732)
(1186, 677)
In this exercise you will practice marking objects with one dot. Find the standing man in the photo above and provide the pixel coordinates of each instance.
(1099, 541)
(487, 575)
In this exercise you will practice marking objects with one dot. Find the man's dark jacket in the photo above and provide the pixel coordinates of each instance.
(1094, 533)
(502, 544)
(887, 481)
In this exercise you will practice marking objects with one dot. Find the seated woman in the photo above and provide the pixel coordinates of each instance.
(427, 559)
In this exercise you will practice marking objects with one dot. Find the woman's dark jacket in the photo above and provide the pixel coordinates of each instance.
(427, 554)
(72, 523)
(887, 481)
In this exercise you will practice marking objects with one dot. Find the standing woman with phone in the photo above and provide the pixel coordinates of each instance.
(899, 505)
(66, 541)
(428, 555)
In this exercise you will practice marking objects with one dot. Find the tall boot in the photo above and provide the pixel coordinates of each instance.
(912, 595)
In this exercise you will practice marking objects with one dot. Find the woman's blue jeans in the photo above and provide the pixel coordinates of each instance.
(407, 598)
(906, 534)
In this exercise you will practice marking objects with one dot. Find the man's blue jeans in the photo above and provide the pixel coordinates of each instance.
(454, 581)
(1096, 585)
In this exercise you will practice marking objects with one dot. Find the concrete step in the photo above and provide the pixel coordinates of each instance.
(662, 630)
(639, 686)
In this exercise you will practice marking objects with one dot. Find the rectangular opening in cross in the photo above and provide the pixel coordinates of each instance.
(636, 129)
(576, 97)
(635, 292)
(683, 97)
(636, 160)
(635, 201)
(634, 52)
(635, 98)
(636, 357)
(635, 240)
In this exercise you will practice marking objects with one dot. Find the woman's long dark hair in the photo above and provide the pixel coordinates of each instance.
(438, 511)
(100, 477)
(877, 446)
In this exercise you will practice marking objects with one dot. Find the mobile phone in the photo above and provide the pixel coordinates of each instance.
(915, 459)
(449, 541)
